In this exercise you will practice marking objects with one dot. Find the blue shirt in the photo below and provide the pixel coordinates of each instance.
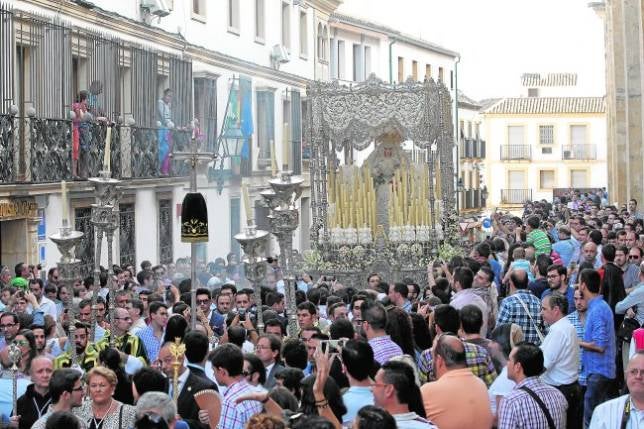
(496, 269)
(355, 398)
(151, 343)
(600, 331)
(566, 249)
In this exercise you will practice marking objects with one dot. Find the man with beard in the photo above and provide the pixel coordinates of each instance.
(86, 354)
(41, 340)
(558, 282)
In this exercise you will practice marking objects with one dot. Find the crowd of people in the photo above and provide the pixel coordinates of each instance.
(537, 326)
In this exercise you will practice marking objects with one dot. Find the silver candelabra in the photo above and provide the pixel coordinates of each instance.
(284, 219)
(68, 271)
(105, 218)
(253, 242)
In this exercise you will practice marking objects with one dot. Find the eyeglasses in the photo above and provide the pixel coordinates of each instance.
(10, 325)
(203, 301)
(123, 318)
(21, 343)
(633, 257)
(78, 389)
(635, 372)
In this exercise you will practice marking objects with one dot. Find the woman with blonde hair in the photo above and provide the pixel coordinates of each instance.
(103, 411)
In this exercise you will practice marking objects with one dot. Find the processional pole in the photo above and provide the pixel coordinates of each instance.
(284, 220)
(194, 216)
(253, 241)
(68, 267)
(105, 219)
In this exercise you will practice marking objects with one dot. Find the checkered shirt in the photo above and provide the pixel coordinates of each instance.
(384, 349)
(151, 343)
(511, 311)
(477, 358)
(235, 416)
(519, 410)
(579, 327)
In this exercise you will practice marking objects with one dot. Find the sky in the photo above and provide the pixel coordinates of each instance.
(498, 40)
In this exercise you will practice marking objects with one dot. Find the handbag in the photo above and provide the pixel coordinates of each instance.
(626, 329)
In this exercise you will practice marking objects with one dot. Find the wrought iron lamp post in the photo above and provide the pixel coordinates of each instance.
(68, 271)
(284, 219)
(105, 218)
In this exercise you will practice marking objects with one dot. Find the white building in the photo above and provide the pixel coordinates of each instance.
(196, 48)
(544, 141)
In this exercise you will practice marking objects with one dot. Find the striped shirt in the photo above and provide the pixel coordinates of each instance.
(233, 415)
(384, 349)
(519, 410)
(540, 241)
(579, 328)
(477, 359)
(151, 343)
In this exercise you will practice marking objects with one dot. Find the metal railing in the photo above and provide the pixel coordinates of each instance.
(43, 150)
(582, 152)
(516, 152)
(473, 199)
(515, 196)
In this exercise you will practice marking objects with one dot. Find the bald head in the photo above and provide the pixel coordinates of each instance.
(519, 279)
(590, 251)
(451, 350)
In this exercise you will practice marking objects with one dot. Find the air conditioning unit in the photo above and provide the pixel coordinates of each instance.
(156, 7)
(280, 54)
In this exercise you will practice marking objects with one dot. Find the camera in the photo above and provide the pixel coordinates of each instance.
(334, 346)
(242, 313)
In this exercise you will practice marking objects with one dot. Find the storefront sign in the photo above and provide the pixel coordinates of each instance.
(18, 209)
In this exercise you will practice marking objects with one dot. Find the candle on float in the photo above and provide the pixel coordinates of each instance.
(273, 160)
(247, 209)
(107, 156)
(331, 184)
(64, 202)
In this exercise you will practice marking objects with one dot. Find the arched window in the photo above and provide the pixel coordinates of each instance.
(320, 45)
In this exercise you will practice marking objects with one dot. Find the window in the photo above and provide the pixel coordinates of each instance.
(358, 63)
(546, 134)
(286, 26)
(428, 71)
(334, 59)
(198, 8)
(414, 70)
(469, 129)
(546, 151)
(578, 134)
(451, 79)
(515, 134)
(578, 178)
(341, 60)
(367, 61)
(265, 126)
(461, 127)
(546, 179)
(533, 92)
(477, 130)
(304, 37)
(401, 69)
(441, 74)
(233, 16)
(260, 30)
(516, 179)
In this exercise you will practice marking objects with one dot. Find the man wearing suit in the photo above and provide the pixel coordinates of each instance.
(191, 380)
(268, 350)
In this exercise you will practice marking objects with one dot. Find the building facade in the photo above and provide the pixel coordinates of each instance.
(471, 184)
(240, 67)
(536, 143)
(624, 50)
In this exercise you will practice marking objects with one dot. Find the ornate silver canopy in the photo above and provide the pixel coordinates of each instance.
(345, 119)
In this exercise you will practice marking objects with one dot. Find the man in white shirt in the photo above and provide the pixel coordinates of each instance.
(561, 355)
(46, 305)
(630, 407)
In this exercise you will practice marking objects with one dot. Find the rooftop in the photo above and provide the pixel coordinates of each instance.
(392, 33)
(547, 105)
(536, 80)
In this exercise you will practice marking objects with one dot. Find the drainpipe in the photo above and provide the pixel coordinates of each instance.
(391, 72)
(457, 133)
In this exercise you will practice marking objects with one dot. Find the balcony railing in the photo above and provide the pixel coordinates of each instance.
(472, 148)
(515, 196)
(42, 150)
(473, 199)
(582, 152)
(516, 152)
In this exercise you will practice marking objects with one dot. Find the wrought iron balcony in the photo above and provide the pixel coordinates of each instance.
(472, 148)
(43, 151)
(516, 152)
(515, 196)
(582, 152)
